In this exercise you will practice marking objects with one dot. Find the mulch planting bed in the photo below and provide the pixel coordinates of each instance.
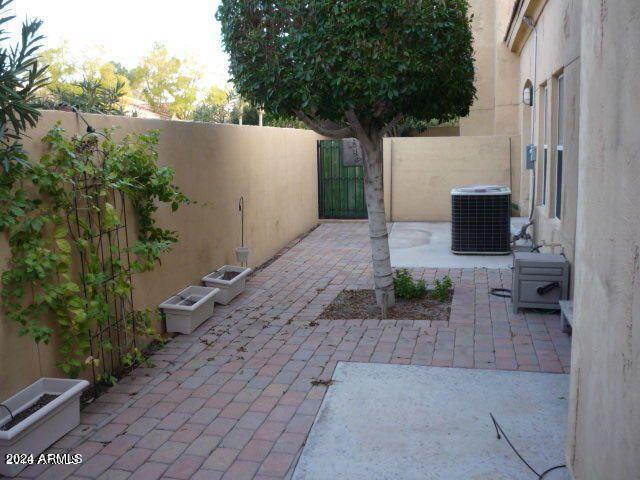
(361, 304)
(27, 412)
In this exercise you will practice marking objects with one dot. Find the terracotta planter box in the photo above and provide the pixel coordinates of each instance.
(32, 435)
(187, 310)
(230, 288)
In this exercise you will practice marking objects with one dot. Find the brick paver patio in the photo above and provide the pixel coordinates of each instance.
(235, 400)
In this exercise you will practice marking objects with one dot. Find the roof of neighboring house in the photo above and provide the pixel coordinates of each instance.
(138, 105)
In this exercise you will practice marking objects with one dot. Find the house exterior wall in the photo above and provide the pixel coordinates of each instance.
(494, 112)
(275, 169)
(481, 118)
(558, 55)
(604, 418)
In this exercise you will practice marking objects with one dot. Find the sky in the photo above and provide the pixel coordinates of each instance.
(124, 30)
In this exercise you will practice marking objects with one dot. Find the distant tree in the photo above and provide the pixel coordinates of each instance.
(409, 126)
(205, 112)
(123, 71)
(91, 85)
(21, 76)
(248, 112)
(250, 115)
(216, 96)
(214, 108)
(60, 67)
(354, 68)
(271, 120)
(167, 82)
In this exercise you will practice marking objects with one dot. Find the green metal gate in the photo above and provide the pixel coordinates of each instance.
(340, 188)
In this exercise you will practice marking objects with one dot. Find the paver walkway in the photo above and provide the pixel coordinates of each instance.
(235, 401)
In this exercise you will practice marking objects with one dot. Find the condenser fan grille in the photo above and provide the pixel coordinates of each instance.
(481, 220)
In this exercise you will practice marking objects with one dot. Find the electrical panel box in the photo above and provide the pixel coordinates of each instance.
(530, 156)
(540, 280)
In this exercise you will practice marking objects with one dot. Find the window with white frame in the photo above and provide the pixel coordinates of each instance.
(545, 143)
(559, 148)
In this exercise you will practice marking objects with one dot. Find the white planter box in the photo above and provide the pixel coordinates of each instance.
(35, 433)
(187, 310)
(229, 289)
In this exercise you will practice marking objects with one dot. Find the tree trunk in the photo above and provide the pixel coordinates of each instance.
(371, 142)
(374, 197)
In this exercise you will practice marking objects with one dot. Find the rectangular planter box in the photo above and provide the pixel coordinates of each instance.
(187, 310)
(35, 433)
(229, 289)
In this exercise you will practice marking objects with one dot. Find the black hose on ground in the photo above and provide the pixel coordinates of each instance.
(500, 292)
(500, 433)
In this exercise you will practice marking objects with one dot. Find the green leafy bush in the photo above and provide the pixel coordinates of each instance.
(443, 289)
(405, 287)
(87, 95)
(21, 76)
(46, 233)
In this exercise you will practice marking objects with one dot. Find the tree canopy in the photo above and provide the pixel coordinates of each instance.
(379, 58)
(167, 82)
(354, 68)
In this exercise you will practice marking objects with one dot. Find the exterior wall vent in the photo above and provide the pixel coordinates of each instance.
(481, 220)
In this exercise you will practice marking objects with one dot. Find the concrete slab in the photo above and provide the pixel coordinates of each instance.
(402, 422)
(428, 244)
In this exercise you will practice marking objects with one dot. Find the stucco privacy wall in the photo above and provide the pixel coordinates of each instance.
(273, 168)
(419, 173)
(604, 418)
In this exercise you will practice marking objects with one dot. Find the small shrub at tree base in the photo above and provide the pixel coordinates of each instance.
(443, 289)
(405, 287)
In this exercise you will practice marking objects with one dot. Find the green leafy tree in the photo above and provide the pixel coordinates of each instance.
(214, 108)
(210, 113)
(123, 71)
(91, 85)
(167, 82)
(354, 68)
(216, 96)
(21, 76)
(60, 67)
(271, 120)
(246, 111)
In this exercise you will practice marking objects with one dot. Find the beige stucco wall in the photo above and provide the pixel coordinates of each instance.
(494, 111)
(604, 419)
(506, 66)
(273, 168)
(419, 173)
(480, 119)
(558, 51)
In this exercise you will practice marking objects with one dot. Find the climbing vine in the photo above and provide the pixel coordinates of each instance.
(46, 210)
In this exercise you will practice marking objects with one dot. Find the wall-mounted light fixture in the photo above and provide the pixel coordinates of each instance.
(527, 95)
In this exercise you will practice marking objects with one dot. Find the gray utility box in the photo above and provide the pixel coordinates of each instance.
(540, 280)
